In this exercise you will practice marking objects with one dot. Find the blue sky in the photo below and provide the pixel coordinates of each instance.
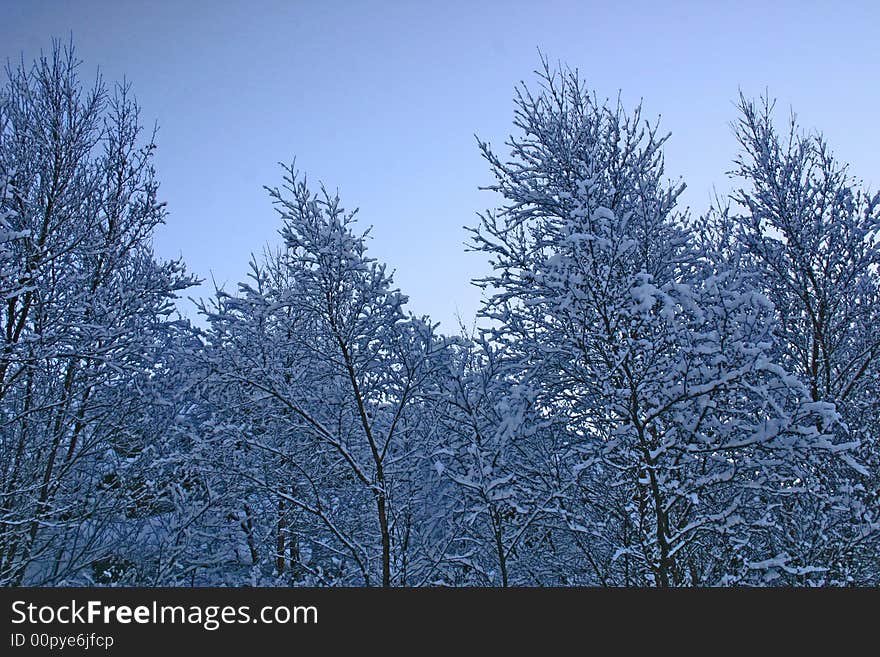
(382, 100)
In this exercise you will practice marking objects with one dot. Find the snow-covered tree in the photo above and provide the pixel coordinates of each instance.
(86, 308)
(683, 437)
(331, 373)
(809, 233)
(497, 461)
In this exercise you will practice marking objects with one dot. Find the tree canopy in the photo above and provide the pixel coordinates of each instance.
(647, 398)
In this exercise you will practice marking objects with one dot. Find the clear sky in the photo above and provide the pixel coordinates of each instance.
(382, 100)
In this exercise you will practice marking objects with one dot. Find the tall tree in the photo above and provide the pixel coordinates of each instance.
(683, 436)
(335, 371)
(86, 307)
(809, 232)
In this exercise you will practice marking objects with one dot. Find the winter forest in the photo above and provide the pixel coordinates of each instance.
(649, 396)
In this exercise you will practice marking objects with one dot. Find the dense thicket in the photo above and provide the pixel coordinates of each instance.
(652, 399)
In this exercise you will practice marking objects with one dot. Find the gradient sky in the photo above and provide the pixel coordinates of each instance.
(382, 100)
